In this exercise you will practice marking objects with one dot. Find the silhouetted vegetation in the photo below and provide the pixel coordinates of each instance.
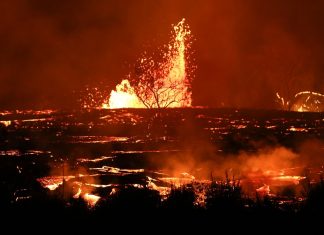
(225, 203)
(314, 204)
(131, 199)
(31, 150)
(181, 198)
(225, 196)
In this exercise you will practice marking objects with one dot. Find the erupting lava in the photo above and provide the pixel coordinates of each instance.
(305, 101)
(308, 101)
(124, 97)
(159, 84)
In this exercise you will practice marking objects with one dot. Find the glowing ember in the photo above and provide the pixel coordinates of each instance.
(77, 195)
(91, 199)
(263, 191)
(160, 84)
(6, 123)
(298, 129)
(93, 97)
(4, 113)
(163, 191)
(12, 152)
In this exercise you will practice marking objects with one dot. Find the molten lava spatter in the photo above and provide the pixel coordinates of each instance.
(124, 97)
(158, 84)
(308, 101)
(304, 101)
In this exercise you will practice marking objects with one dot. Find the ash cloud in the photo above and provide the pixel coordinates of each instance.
(244, 50)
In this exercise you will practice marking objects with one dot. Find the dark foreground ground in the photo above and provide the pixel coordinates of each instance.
(128, 157)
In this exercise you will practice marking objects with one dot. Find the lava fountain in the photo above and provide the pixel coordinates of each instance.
(124, 97)
(308, 101)
(304, 101)
(159, 83)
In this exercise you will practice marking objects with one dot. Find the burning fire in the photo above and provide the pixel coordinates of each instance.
(169, 84)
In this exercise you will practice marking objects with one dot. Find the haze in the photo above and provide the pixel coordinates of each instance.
(245, 50)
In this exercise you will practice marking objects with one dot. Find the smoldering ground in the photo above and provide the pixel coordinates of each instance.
(204, 160)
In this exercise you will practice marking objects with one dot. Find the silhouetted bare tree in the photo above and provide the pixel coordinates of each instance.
(156, 85)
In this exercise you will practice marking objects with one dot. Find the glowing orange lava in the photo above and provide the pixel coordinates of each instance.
(304, 101)
(53, 182)
(91, 199)
(169, 85)
(308, 101)
(6, 123)
(263, 191)
(124, 97)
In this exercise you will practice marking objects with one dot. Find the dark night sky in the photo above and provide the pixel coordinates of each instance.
(245, 50)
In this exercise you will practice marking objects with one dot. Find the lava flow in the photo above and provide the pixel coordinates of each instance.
(53, 182)
(91, 199)
(159, 84)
